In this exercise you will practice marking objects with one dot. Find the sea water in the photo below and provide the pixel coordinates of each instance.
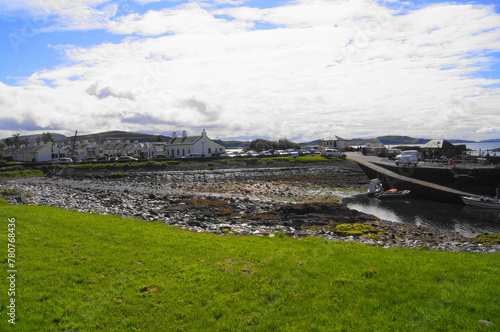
(483, 148)
(466, 220)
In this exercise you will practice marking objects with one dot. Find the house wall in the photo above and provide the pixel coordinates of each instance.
(45, 154)
(33, 153)
(207, 147)
(204, 146)
(334, 144)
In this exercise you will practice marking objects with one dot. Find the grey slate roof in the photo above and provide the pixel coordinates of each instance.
(437, 144)
(334, 138)
(184, 140)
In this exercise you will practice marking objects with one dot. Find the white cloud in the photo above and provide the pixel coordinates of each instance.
(56, 15)
(232, 2)
(345, 68)
(190, 19)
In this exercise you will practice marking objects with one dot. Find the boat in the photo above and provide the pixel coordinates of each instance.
(375, 187)
(492, 203)
(393, 193)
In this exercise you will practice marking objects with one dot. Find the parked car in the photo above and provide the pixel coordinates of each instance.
(240, 154)
(192, 155)
(393, 153)
(409, 157)
(303, 152)
(252, 153)
(265, 153)
(124, 159)
(159, 157)
(314, 151)
(279, 153)
(333, 153)
(64, 161)
(291, 152)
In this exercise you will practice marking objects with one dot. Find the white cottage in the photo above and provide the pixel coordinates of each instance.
(184, 145)
(144, 150)
(334, 142)
(86, 149)
(35, 153)
(117, 148)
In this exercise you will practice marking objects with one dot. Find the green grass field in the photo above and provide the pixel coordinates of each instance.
(87, 272)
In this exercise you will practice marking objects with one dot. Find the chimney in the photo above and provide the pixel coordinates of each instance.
(203, 133)
(174, 135)
(184, 134)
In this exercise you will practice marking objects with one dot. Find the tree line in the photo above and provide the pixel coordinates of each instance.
(261, 144)
(15, 139)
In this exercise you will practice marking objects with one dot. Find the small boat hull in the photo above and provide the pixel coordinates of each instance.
(389, 194)
(481, 202)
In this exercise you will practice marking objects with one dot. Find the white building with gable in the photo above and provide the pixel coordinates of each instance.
(181, 146)
(334, 142)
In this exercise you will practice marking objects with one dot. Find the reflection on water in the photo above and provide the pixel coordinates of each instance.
(466, 220)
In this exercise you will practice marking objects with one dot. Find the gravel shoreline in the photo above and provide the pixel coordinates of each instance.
(294, 201)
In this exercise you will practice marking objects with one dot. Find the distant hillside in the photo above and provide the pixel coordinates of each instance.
(388, 140)
(232, 144)
(311, 143)
(460, 141)
(122, 135)
(33, 138)
(141, 137)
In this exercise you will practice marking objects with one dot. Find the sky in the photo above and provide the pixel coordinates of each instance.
(243, 69)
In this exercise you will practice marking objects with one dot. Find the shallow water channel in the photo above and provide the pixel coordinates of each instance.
(466, 220)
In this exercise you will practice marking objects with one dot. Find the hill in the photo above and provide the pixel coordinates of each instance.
(122, 135)
(232, 144)
(32, 138)
(388, 140)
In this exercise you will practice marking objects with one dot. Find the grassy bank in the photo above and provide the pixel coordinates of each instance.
(88, 272)
(22, 174)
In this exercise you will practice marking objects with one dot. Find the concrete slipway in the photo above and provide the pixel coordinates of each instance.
(419, 188)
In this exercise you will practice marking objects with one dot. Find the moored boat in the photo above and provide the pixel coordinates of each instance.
(375, 187)
(393, 193)
(492, 203)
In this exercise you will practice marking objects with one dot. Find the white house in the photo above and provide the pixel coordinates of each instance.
(184, 145)
(176, 148)
(36, 152)
(144, 150)
(117, 148)
(86, 149)
(334, 142)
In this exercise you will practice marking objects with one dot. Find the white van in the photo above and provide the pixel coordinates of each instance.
(409, 157)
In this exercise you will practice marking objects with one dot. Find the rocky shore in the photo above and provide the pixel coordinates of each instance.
(294, 201)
